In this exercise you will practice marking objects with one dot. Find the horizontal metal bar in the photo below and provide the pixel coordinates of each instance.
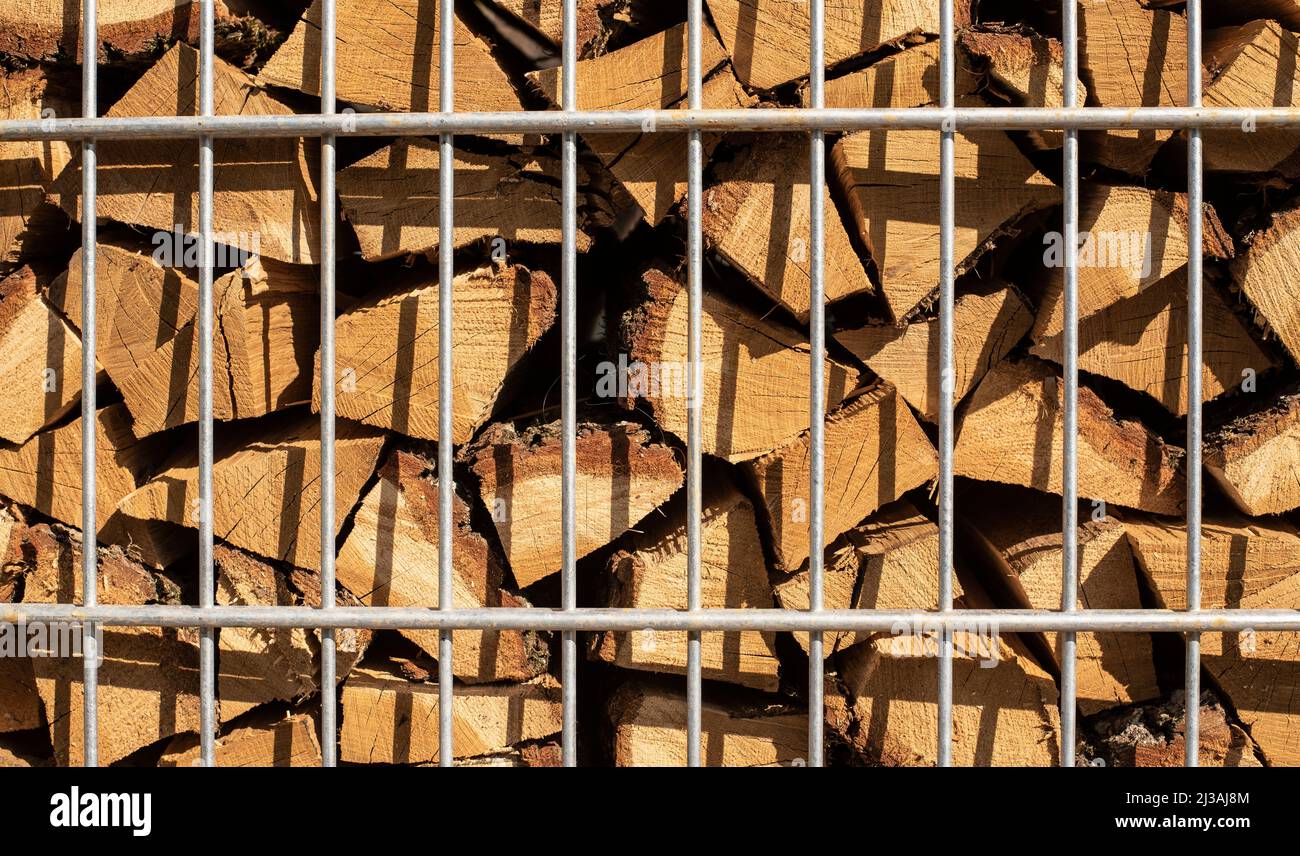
(720, 620)
(542, 121)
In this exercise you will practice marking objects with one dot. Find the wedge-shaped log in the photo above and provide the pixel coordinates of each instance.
(598, 20)
(126, 28)
(1130, 56)
(139, 304)
(387, 348)
(148, 676)
(266, 328)
(391, 200)
(889, 561)
(1004, 706)
(1012, 434)
(1245, 564)
(1265, 273)
(265, 191)
(258, 665)
(388, 59)
(756, 216)
(649, 74)
(265, 492)
(28, 167)
(649, 725)
(986, 328)
(754, 389)
(1025, 546)
(622, 473)
(891, 180)
(289, 742)
(45, 472)
(1141, 342)
(390, 558)
(1252, 66)
(40, 355)
(874, 452)
(651, 574)
(769, 39)
(1254, 457)
(388, 719)
(1131, 239)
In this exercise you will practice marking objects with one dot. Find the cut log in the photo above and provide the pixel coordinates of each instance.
(20, 703)
(139, 304)
(754, 385)
(265, 492)
(391, 200)
(987, 327)
(769, 40)
(1026, 547)
(387, 348)
(388, 719)
(1130, 57)
(652, 167)
(1025, 69)
(889, 561)
(1012, 434)
(993, 67)
(266, 328)
(1141, 342)
(40, 355)
(49, 32)
(755, 215)
(651, 574)
(622, 474)
(291, 742)
(1255, 458)
(258, 665)
(891, 180)
(390, 558)
(1251, 66)
(649, 724)
(1219, 13)
(874, 452)
(1246, 564)
(1131, 238)
(649, 75)
(265, 192)
(28, 167)
(45, 472)
(1265, 273)
(598, 21)
(148, 676)
(644, 75)
(1004, 706)
(388, 59)
(1154, 736)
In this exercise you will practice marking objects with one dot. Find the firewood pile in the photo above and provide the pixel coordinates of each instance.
(882, 272)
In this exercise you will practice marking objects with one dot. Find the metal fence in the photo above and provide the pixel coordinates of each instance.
(569, 620)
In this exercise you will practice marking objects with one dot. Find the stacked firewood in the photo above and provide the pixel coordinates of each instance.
(882, 382)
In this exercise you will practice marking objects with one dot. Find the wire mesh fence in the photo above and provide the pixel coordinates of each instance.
(569, 620)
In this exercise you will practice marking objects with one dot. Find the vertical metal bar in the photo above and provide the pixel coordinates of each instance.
(328, 640)
(207, 582)
(568, 383)
(694, 429)
(446, 277)
(816, 378)
(1192, 722)
(89, 527)
(1070, 427)
(947, 143)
